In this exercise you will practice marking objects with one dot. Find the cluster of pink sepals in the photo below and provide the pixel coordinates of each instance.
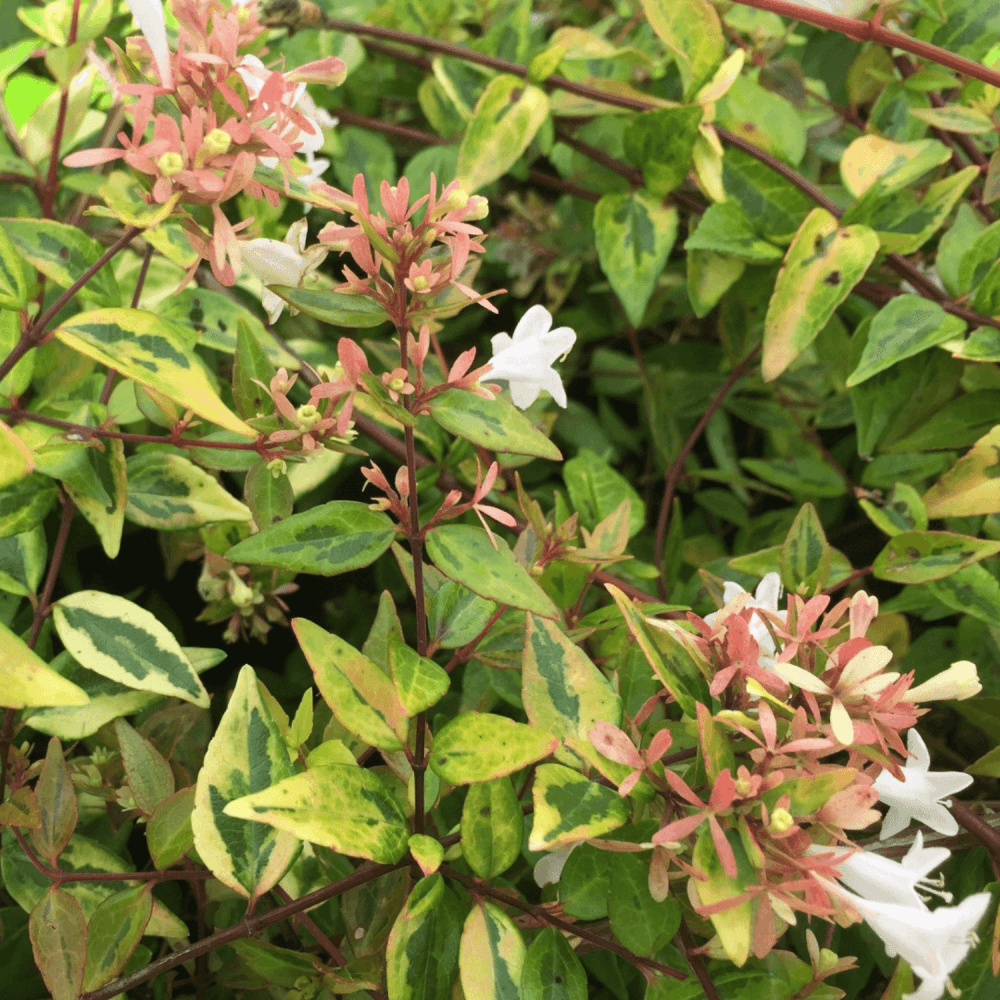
(824, 693)
(234, 115)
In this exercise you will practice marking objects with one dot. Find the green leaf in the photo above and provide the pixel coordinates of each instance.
(281, 967)
(150, 351)
(906, 326)
(551, 969)
(113, 933)
(466, 555)
(585, 883)
(26, 681)
(805, 555)
(251, 366)
(332, 538)
(269, 496)
(775, 205)
(335, 308)
(903, 511)
(563, 692)
(168, 831)
(921, 556)
(341, 806)
(360, 694)
(800, 476)
(473, 747)
(569, 807)
(23, 561)
(63, 253)
(169, 492)
(670, 655)
(59, 941)
(955, 118)
(247, 754)
(149, 775)
(506, 117)
(106, 514)
(24, 504)
(637, 920)
(455, 615)
(596, 491)
(55, 798)
(491, 423)
(119, 640)
(492, 827)
(634, 233)
(972, 590)
(13, 284)
(491, 955)
(709, 277)
(692, 32)
(661, 143)
(420, 682)
(422, 954)
(764, 118)
(725, 229)
(823, 264)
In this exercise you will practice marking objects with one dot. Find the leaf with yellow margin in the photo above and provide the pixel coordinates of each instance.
(26, 681)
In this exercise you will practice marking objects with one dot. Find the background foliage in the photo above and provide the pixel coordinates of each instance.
(778, 248)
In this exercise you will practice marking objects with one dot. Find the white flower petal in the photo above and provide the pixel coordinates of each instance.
(525, 360)
(958, 682)
(148, 15)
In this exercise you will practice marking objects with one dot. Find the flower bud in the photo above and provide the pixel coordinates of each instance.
(477, 208)
(170, 164)
(239, 593)
(277, 467)
(456, 200)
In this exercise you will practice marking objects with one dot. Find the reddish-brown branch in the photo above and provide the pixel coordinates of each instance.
(697, 964)
(981, 830)
(248, 927)
(872, 31)
(462, 654)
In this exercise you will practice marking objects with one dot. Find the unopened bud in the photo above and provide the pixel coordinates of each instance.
(456, 200)
(277, 467)
(477, 208)
(782, 821)
(170, 164)
(239, 593)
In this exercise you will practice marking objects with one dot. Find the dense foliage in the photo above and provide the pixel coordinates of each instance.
(488, 492)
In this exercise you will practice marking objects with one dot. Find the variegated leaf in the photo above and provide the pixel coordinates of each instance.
(342, 806)
(114, 931)
(491, 955)
(59, 941)
(569, 808)
(119, 640)
(247, 754)
(360, 694)
(26, 681)
(150, 351)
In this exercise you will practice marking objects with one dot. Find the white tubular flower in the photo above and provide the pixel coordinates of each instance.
(766, 596)
(882, 880)
(524, 361)
(277, 262)
(919, 796)
(148, 15)
(958, 682)
(548, 869)
(934, 942)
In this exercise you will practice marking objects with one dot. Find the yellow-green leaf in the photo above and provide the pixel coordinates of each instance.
(475, 747)
(108, 520)
(152, 352)
(342, 806)
(420, 682)
(247, 754)
(360, 694)
(492, 827)
(733, 925)
(569, 807)
(823, 264)
(26, 681)
(168, 832)
(119, 640)
(507, 115)
(691, 30)
(491, 954)
(149, 775)
(970, 486)
(16, 460)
